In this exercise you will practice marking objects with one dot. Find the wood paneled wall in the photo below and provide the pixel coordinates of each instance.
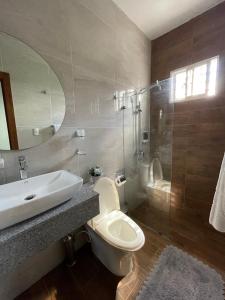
(198, 134)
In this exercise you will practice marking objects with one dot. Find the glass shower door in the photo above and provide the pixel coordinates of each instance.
(148, 157)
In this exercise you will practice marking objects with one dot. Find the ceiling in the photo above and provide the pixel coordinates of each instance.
(156, 17)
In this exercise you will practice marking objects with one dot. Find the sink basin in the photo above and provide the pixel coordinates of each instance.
(24, 199)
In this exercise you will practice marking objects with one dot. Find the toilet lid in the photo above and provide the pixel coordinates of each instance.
(108, 197)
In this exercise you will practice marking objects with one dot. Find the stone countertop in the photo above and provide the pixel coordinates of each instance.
(29, 237)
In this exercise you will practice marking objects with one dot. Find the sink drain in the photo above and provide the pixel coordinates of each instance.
(30, 197)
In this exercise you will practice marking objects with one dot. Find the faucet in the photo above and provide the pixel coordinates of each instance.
(23, 167)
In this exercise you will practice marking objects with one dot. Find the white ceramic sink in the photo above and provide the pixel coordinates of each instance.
(24, 199)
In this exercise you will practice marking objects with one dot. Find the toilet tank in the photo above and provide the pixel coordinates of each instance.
(108, 197)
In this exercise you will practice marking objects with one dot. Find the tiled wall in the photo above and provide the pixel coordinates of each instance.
(95, 50)
(198, 134)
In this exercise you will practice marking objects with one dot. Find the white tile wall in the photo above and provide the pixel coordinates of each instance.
(95, 50)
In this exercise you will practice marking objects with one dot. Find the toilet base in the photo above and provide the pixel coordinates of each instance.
(117, 261)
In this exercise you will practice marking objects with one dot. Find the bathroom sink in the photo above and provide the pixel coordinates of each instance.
(24, 199)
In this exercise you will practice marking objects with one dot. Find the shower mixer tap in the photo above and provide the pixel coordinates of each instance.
(140, 155)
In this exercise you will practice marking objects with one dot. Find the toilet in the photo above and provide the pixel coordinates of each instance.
(114, 236)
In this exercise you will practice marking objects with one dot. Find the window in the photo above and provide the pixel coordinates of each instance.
(194, 81)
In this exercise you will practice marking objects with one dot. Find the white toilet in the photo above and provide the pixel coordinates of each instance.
(114, 236)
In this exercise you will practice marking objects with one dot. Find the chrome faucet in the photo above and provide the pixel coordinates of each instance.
(23, 167)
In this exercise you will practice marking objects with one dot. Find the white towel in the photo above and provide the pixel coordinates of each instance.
(217, 213)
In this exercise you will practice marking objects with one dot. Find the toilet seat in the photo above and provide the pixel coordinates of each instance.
(113, 225)
(121, 231)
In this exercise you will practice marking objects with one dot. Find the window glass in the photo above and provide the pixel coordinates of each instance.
(212, 77)
(194, 81)
(180, 81)
(189, 82)
(199, 80)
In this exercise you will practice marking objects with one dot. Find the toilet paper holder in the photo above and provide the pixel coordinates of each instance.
(120, 180)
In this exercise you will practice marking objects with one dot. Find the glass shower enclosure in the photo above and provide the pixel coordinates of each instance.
(147, 134)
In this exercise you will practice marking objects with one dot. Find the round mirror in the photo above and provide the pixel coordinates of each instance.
(32, 101)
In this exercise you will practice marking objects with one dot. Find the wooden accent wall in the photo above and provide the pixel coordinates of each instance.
(198, 133)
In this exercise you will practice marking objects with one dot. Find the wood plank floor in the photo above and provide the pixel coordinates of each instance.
(90, 280)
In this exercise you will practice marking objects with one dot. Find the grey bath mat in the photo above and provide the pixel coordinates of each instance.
(179, 276)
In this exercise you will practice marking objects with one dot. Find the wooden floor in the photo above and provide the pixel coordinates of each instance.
(90, 280)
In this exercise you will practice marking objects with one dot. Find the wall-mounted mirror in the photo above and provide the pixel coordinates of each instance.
(32, 101)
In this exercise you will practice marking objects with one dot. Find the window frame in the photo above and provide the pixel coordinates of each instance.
(191, 68)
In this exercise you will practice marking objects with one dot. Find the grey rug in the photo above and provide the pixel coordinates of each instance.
(179, 276)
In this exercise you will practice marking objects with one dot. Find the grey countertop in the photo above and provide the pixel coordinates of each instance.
(27, 238)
